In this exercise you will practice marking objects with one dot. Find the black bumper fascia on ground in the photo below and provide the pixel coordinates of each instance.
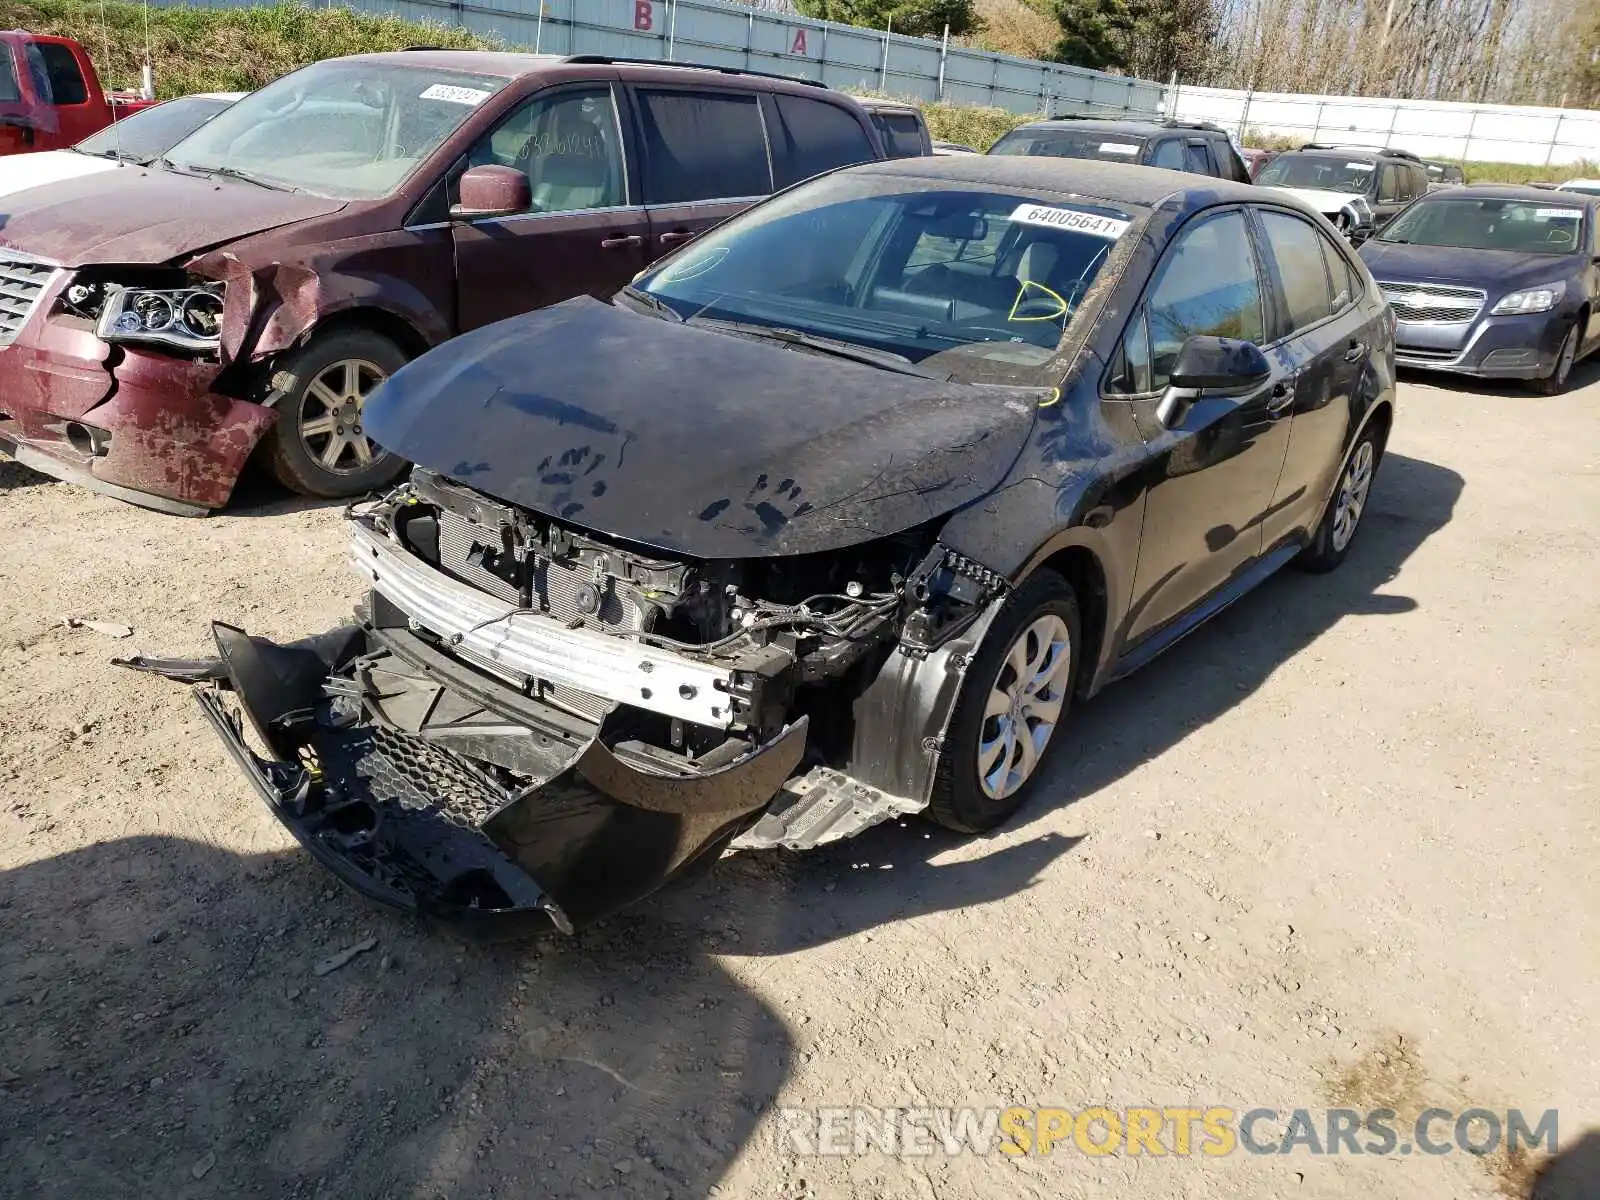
(584, 828)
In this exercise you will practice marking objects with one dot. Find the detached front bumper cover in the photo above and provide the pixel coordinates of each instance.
(359, 725)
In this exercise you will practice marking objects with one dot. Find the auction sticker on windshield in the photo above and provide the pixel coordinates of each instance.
(1071, 218)
(1562, 213)
(456, 95)
(1117, 148)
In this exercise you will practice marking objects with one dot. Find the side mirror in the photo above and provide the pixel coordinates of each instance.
(492, 191)
(1209, 364)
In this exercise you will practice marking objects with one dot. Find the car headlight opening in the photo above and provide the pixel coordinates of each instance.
(185, 318)
(1529, 300)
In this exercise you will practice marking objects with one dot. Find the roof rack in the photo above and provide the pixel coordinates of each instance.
(1384, 151)
(1210, 126)
(606, 60)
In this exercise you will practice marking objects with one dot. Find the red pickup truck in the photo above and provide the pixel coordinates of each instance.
(50, 95)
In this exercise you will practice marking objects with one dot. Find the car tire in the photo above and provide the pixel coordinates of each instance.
(1555, 383)
(1341, 520)
(318, 447)
(1037, 626)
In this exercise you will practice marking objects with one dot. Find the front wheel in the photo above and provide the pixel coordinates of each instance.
(1555, 383)
(1333, 537)
(319, 447)
(1014, 698)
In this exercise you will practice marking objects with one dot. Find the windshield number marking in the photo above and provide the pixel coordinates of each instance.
(455, 95)
(1565, 213)
(1074, 219)
(1117, 148)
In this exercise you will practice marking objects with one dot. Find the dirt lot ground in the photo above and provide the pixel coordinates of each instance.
(1341, 847)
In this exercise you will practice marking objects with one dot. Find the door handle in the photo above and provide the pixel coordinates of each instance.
(617, 243)
(676, 236)
(1354, 352)
(1281, 400)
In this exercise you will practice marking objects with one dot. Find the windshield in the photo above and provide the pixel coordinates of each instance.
(1321, 172)
(1049, 143)
(151, 132)
(1529, 226)
(345, 128)
(963, 283)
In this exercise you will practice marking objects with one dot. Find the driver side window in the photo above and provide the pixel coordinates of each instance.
(567, 144)
(1207, 284)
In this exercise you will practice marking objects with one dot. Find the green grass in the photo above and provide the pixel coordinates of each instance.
(219, 49)
(237, 49)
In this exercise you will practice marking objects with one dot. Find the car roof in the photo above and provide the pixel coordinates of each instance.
(879, 104)
(1109, 125)
(1512, 191)
(511, 65)
(1119, 183)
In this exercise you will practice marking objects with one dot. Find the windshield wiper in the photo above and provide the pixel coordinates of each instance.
(888, 360)
(236, 173)
(653, 303)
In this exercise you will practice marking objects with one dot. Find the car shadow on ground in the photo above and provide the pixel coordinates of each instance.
(1573, 1174)
(13, 476)
(164, 1030)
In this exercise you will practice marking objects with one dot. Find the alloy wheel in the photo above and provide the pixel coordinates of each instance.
(330, 415)
(1024, 706)
(1352, 501)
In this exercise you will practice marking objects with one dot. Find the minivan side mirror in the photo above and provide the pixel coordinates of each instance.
(492, 190)
(1207, 363)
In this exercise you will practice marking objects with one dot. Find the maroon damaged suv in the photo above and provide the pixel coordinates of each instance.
(245, 294)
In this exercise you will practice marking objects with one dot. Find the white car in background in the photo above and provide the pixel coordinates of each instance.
(1589, 187)
(138, 139)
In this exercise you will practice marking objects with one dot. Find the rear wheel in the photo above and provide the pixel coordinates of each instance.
(320, 447)
(1555, 383)
(1016, 695)
(1334, 535)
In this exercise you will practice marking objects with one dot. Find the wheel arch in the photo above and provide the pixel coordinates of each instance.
(365, 318)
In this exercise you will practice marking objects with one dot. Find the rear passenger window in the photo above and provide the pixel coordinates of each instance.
(62, 79)
(1297, 250)
(1206, 285)
(813, 136)
(1340, 273)
(1388, 184)
(1197, 160)
(902, 134)
(1169, 154)
(702, 146)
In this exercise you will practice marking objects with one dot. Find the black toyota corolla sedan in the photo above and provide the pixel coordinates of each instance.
(1498, 282)
(830, 516)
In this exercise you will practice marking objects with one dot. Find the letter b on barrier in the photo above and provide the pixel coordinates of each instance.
(644, 15)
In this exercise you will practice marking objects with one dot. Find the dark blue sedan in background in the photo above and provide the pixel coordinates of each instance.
(1500, 282)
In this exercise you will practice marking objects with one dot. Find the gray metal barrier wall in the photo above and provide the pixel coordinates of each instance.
(841, 56)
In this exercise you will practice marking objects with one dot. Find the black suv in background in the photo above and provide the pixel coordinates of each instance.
(1443, 174)
(1358, 188)
(1194, 146)
(900, 125)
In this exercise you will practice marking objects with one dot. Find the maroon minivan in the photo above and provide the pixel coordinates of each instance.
(245, 294)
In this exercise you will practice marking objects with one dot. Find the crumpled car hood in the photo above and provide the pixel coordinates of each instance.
(696, 442)
(144, 215)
